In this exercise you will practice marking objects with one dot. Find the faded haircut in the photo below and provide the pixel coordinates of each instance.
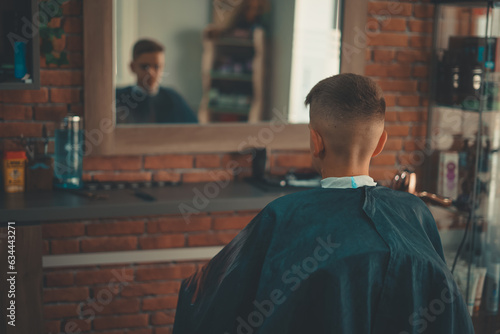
(146, 46)
(347, 97)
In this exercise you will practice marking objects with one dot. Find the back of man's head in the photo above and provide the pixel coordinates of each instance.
(346, 98)
(146, 46)
(348, 112)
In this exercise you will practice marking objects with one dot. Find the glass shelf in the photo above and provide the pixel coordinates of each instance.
(463, 149)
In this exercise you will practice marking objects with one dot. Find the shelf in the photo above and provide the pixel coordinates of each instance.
(231, 77)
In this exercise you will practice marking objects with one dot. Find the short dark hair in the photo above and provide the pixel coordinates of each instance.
(347, 97)
(146, 46)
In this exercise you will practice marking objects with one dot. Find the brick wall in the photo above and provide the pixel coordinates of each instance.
(25, 112)
(397, 57)
(144, 301)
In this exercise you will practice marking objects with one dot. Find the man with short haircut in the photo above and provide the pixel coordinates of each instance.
(147, 101)
(350, 257)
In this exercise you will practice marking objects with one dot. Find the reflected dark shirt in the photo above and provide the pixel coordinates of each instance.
(134, 105)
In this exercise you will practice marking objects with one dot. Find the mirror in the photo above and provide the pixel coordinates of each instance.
(221, 61)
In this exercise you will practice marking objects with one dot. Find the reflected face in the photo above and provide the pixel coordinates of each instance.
(148, 67)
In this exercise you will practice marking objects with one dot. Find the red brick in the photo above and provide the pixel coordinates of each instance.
(178, 224)
(368, 54)
(78, 324)
(74, 43)
(64, 246)
(398, 130)
(119, 306)
(71, 294)
(409, 101)
(25, 96)
(154, 289)
(141, 331)
(372, 25)
(59, 279)
(168, 161)
(160, 303)
(46, 247)
(60, 311)
(75, 60)
(385, 70)
(420, 41)
(389, 8)
(424, 11)
(65, 95)
(390, 100)
(398, 85)
(383, 173)
(388, 39)
(207, 161)
(72, 7)
(164, 241)
(116, 228)
(391, 116)
(393, 144)
(54, 113)
(240, 160)
(383, 55)
(393, 24)
(177, 271)
(412, 116)
(411, 56)
(122, 177)
(63, 230)
(73, 25)
(163, 330)
(423, 87)
(165, 176)
(15, 112)
(421, 71)
(61, 78)
(384, 160)
(112, 163)
(213, 239)
(105, 276)
(420, 26)
(232, 222)
(413, 159)
(123, 321)
(208, 176)
(52, 326)
(419, 130)
(109, 244)
(163, 318)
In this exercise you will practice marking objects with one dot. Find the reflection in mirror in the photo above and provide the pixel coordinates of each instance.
(19, 46)
(192, 61)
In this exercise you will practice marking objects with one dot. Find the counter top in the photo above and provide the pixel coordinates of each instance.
(194, 197)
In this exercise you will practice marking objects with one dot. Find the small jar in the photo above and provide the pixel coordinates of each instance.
(14, 163)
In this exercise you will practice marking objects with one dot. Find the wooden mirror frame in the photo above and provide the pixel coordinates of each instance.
(103, 138)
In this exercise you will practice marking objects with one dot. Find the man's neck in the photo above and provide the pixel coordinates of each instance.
(339, 169)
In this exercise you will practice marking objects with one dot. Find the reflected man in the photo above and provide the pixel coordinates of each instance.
(147, 101)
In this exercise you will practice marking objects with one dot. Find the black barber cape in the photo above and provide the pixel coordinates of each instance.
(365, 260)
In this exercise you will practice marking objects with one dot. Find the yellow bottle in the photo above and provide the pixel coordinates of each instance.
(13, 171)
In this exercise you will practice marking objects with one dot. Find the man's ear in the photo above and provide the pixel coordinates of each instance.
(317, 143)
(381, 144)
(132, 66)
